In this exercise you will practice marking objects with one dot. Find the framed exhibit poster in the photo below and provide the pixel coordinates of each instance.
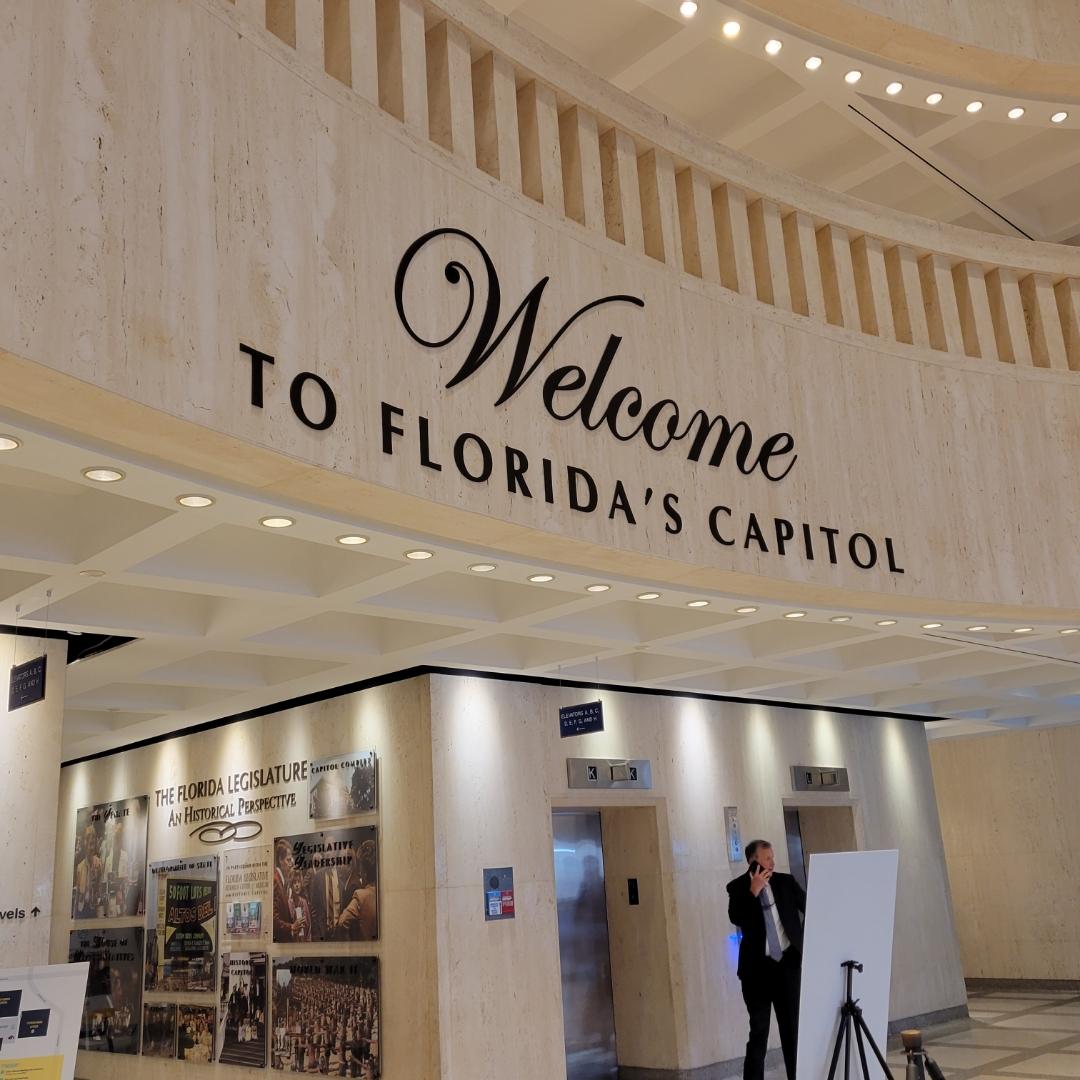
(195, 1033)
(342, 786)
(241, 1031)
(159, 1030)
(112, 1008)
(109, 873)
(326, 1015)
(326, 886)
(40, 1014)
(181, 942)
(245, 892)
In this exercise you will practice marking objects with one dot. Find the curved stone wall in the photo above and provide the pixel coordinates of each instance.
(636, 352)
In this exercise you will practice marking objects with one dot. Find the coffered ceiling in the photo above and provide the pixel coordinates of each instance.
(228, 615)
(978, 169)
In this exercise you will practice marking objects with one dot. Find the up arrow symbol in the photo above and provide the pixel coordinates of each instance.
(35, 911)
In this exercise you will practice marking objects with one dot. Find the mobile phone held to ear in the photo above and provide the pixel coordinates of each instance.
(755, 866)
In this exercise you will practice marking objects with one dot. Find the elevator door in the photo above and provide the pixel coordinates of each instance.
(588, 1015)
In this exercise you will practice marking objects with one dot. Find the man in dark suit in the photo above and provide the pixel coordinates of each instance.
(768, 908)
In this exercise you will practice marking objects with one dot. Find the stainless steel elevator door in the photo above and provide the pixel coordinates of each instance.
(588, 1015)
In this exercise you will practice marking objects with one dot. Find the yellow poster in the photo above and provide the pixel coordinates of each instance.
(32, 1068)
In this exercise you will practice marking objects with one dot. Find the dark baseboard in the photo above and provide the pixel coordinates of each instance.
(986, 986)
(718, 1070)
(952, 1015)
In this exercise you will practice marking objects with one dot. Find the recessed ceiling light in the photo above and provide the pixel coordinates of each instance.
(91, 573)
(102, 474)
(9, 442)
(1023, 629)
(352, 539)
(1070, 630)
(540, 579)
(419, 555)
(748, 610)
(931, 626)
(597, 588)
(1015, 114)
(1059, 117)
(934, 98)
(852, 77)
(973, 106)
(195, 502)
(482, 567)
(697, 603)
(885, 622)
(276, 522)
(688, 9)
(813, 63)
(648, 596)
(795, 615)
(772, 46)
(894, 88)
(840, 618)
(977, 629)
(731, 29)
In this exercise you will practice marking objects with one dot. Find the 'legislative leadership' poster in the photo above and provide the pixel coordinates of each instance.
(112, 1009)
(241, 1031)
(109, 873)
(181, 945)
(342, 786)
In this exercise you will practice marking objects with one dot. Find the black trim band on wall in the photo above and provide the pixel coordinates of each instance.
(496, 676)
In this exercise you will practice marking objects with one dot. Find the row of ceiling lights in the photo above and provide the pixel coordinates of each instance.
(731, 30)
(107, 474)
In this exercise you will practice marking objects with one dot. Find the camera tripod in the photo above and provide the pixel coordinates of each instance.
(851, 1017)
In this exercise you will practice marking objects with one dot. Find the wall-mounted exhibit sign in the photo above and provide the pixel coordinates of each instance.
(112, 1008)
(498, 893)
(159, 1029)
(40, 1009)
(242, 1011)
(581, 719)
(181, 941)
(326, 886)
(213, 802)
(308, 989)
(109, 875)
(608, 773)
(342, 786)
(195, 1033)
(245, 892)
(26, 683)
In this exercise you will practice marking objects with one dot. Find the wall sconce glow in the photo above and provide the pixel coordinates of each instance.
(934, 98)
(541, 579)
(102, 474)
(482, 567)
(1015, 114)
(931, 626)
(597, 588)
(894, 88)
(840, 618)
(697, 603)
(813, 63)
(973, 106)
(977, 629)
(852, 77)
(1059, 117)
(9, 442)
(352, 540)
(1024, 630)
(648, 596)
(1070, 630)
(885, 622)
(688, 9)
(748, 610)
(772, 46)
(276, 522)
(419, 555)
(731, 29)
(195, 502)
(795, 615)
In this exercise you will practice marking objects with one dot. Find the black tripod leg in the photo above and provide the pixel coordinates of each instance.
(862, 1029)
(840, 1038)
(847, 1050)
(862, 1052)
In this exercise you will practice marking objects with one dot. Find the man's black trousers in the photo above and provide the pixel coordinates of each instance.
(772, 985)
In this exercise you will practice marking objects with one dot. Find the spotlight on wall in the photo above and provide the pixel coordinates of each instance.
(772, 46)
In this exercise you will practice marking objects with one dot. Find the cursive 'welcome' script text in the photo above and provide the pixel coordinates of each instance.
(570, 390)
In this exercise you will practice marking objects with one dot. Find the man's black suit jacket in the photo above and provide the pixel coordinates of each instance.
(746, 912)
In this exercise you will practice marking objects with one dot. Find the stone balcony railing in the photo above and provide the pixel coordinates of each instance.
(462, 77)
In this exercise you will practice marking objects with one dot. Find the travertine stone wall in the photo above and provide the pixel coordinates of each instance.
(1010, 808)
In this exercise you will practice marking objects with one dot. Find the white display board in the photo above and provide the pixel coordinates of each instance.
(40, 1014)
(850, 907)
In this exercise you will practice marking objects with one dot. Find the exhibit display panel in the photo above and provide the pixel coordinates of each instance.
(369, 945)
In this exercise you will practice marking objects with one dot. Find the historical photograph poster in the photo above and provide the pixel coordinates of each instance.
(159, 1029)
(241, 1031)
(109, 872)
(326, 1016)
(326, 887)
(113, 1006)
(195, 1033)
(342, 786)
(181, 942)
(245, 892)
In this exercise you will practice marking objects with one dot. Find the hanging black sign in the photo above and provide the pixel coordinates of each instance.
(581, 719)
(27, 683)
